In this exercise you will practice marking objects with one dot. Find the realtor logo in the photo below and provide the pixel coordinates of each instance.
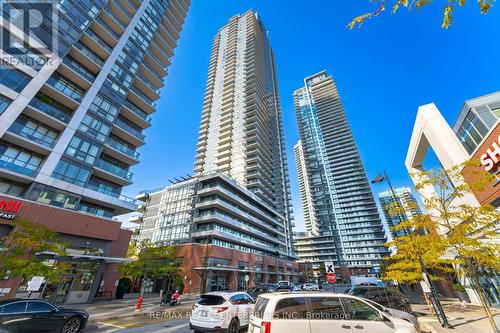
(31, 34)
(9, 209)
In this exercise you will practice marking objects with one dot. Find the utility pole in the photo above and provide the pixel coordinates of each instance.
(204, 275)
(434, 296)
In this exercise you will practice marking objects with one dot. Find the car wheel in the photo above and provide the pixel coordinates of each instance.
(402, 308)
(234, 326)
(72, 325)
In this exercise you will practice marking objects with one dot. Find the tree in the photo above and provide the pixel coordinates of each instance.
(149, 260)
(20, 252)
(454, 232)
(395, 5)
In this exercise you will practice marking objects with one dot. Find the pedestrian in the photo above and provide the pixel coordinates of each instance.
(176, 298)
(165, 298)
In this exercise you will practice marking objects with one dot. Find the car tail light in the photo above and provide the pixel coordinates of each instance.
(194, 307)
(222, 309)
(265, 327)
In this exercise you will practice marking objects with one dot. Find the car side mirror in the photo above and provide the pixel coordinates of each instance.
(54, 310)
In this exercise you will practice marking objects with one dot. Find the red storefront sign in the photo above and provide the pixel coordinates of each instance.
(9, 209)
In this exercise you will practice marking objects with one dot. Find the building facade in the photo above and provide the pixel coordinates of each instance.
(241, 132)
(405, 197)
(475, 138)
(72, 115)
(221, 231)
(345, 226)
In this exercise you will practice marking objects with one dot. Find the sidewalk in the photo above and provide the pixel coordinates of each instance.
(118, 308)
(472, 319)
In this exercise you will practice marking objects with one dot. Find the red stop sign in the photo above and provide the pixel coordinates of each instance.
(331, 277)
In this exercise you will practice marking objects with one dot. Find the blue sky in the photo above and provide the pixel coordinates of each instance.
(383, 71)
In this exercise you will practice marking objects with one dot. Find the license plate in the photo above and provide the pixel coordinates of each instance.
(204, 313)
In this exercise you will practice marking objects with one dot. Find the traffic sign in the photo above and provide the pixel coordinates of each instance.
(329, 268)
(331, 277)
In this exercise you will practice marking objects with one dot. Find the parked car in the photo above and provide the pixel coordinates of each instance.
(396, 313)
(34, 315)
(221, 311)
(322, 313)
(283, 283)
(310, 286)
(390, 297)
(262, 289)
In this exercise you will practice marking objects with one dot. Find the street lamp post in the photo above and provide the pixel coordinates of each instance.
(434, 297)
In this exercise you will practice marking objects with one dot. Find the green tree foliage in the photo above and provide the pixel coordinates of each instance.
(453, 233)
(19, 249)
(449, 7)
(149, 260)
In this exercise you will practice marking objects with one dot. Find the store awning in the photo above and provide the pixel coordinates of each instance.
(86, 257)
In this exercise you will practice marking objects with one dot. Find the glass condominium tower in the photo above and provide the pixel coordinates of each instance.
(70, 128)
(405, 198)
(241, 132)
(342, 219)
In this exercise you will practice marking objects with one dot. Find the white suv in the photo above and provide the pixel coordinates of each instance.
(322, 313)
(220, 311)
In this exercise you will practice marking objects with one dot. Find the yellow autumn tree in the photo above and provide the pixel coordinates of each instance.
(449, 7)
(454, 232)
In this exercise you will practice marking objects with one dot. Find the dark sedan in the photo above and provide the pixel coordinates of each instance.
(262, 289)
(390, 297)
(34, 315)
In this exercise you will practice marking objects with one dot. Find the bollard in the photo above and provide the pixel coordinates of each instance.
(138, 304)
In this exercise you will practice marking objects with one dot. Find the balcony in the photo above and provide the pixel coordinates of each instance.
(137, 111)
(114, 172)
(97, 44)
(44, 139)
(52, 108)
(87, 57)
(140, 99)
(112, 21)
(135, 219)
(17, 166)
(128, 133)
(110, 36)
(121, 151)
(63, 90)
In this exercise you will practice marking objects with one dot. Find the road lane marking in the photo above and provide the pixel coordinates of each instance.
(112, 325)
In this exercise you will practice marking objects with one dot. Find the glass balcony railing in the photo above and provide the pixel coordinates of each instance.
(152, 71)
(102, 189)
(45, 139)
(137, 111)
(99, 40)
(107, 28)
(114, 169)
(82, 71)
(147, 83)
(123, 148)
(19, 167)
(52, 108)
(66, 87)
(90, 54)
(120, 123)
(142, 95)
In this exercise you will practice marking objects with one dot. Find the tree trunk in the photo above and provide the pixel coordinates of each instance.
(484, 303)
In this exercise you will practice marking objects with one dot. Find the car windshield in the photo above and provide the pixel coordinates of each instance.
(360, 292)
(211, 300)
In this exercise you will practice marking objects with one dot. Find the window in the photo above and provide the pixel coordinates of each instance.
(95, 210)
(104, 108)
(19, 160)
(12, 78)
(72, 173)
(16, 307)
(53, 197)
(83, 150)
(260, 307)
(66, 86)
(34, 130)
(326, 308)
(94, 128)
(8, 187)
(358, 310)
(4, 103)
(35, 306)
(291, 308)
(211, 300)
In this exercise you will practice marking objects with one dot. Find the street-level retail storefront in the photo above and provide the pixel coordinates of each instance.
(96, 247)
(229, 269)
(474, 138)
